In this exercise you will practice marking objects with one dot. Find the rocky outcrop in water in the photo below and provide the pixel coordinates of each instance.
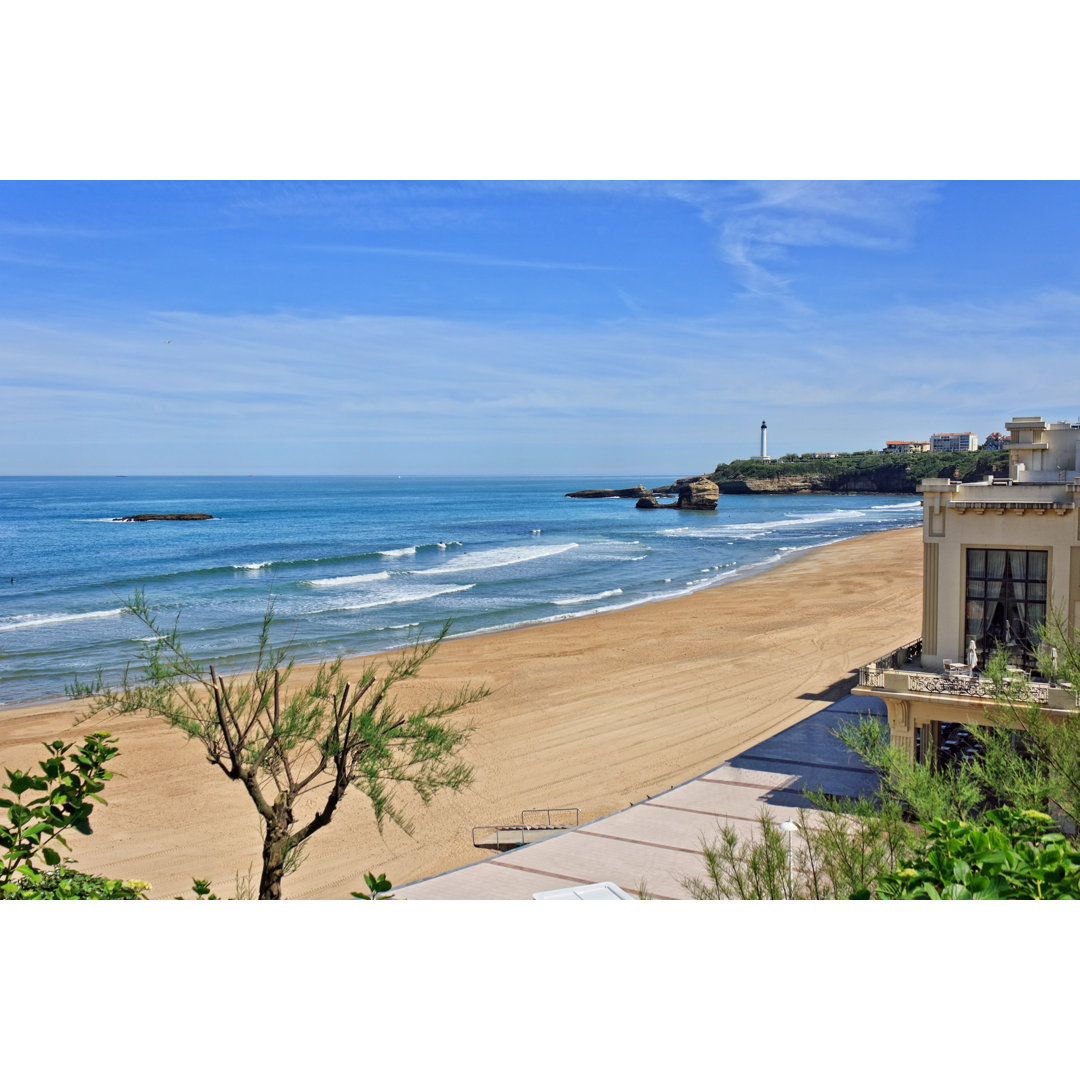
(609, 493)
(166, 517)
(696, 493)
(693, 493)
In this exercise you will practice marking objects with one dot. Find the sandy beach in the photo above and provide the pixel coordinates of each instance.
(595, 713)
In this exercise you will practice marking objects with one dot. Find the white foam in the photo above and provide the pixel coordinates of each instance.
(899, 506)
(19, 622)
(494, 557)
(755, 530)
(351, 579)
(396, 553)
(588, 599)
(250, 565)
(404, 598)
(796, 518)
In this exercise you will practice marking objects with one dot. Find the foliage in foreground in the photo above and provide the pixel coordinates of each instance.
(978, 828)
(378, 888)
(45, 805)
(1012, 855)
(835, 854)
(66, 883)
(297, 751)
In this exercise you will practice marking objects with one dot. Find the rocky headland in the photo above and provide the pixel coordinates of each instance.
(858, 473)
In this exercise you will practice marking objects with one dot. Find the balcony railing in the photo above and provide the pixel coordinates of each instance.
(927, 682)
(894, 672)
(873, 674)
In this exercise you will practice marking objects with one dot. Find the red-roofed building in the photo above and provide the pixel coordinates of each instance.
(916, 446)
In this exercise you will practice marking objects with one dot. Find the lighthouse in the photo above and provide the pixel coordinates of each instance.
(764, 455)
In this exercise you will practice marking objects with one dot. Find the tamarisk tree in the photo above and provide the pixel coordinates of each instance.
(286, 744)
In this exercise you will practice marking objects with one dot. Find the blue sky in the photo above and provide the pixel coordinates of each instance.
(586, 328)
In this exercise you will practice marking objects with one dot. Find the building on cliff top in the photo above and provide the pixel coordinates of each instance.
(999, 557)
(902, 446)
(951, 441)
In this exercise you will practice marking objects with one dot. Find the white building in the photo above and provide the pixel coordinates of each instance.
(1000, 558)
(949, 442)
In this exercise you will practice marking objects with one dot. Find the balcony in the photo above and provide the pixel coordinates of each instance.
(900, 672)
(873, 674)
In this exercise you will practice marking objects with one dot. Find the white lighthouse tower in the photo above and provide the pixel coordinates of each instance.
(764, 455)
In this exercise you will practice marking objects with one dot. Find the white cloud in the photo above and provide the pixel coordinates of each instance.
(757, 223)
(291, 393)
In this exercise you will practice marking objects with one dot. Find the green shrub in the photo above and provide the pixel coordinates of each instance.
(65, 883)
(44, 806)
(1011, 855)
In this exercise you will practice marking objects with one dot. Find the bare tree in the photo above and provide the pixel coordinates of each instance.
(318, 739)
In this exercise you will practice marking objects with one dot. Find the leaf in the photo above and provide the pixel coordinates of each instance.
(19, 782)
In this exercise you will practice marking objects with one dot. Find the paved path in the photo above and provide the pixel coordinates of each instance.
(657, 843)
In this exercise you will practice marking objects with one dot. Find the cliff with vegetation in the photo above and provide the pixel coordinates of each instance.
(864, 471)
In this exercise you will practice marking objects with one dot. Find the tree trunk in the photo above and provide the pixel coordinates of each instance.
(275, 847)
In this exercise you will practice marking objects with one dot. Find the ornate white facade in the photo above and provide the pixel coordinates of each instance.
(999, 558)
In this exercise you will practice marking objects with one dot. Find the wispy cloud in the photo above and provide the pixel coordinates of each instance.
(468, 258)
(38, 230)
(381, 206)
(295, 392)
(758, 223)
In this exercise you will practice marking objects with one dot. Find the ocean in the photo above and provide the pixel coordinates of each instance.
(359, 565)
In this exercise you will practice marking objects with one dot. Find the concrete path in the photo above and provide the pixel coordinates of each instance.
(656, 844)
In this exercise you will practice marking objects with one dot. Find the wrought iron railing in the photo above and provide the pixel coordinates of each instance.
(926, 682)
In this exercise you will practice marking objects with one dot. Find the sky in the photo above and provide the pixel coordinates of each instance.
(570, 328)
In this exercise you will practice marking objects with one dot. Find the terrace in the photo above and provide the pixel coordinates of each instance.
(901, 672)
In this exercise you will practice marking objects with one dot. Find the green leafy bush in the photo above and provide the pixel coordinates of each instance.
(1011, 855)
(46, 805)
(65, 883)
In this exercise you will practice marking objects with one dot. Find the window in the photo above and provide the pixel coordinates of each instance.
(1005, 602)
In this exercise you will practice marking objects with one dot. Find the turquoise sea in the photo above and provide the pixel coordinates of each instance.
(360, 564)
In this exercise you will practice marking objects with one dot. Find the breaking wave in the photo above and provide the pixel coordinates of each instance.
(20, 622)
(494, 557)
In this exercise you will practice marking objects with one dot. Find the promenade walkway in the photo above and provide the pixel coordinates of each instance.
(657, 843)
